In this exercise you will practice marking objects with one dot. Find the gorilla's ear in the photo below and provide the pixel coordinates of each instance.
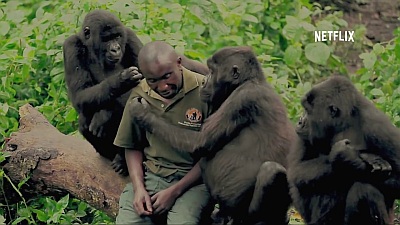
(86, 32)
(236, 72)
(335, 111)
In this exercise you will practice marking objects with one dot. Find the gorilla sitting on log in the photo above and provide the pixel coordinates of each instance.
(344, 168)
(100, 71)
(244, 142)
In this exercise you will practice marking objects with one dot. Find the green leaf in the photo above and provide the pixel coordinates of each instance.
(17, 16)
(377, 92)
(42, 216)
(378, 48)
(397, 51)
(307, 26)
(250, 18)
(255, 8)
(18, 220)
(55, 218)
(24, 212)
(317, 52)
(4, 28)
(324, 25)
(82, 207)
(22, 182)
(341, 22)
(304, 13)
(4, 108)
(71, 115)
(62, 203)
(199, 13)
(369, 59)
(292, 55)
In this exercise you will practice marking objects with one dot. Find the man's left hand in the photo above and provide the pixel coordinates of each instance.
(164, 200)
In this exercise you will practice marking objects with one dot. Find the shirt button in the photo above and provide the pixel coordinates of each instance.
(162, 105)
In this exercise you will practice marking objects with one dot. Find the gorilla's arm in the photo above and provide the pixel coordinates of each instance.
(84, 92)
(308, 174)
(234, 114)
(343, 162)
(132, 48)
(99, 119)
(194, 65)
(386, 139)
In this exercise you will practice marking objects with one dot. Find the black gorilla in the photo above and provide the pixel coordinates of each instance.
(99, 66)
(244, 142)
(344, 168)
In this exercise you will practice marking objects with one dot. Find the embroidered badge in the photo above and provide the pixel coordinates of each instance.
(193, 115)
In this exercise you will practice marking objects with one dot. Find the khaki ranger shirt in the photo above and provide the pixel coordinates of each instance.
(186, 110)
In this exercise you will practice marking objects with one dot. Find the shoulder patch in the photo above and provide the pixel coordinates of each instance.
(193, 115)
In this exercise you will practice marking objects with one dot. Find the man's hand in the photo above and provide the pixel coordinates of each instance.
(142, 203)
(164, 200)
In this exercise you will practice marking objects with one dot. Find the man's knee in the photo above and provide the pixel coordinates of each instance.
(194, 207)
(126, 212)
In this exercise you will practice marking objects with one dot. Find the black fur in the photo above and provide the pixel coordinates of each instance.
(344, 168)
(244, 142)
(99, 74)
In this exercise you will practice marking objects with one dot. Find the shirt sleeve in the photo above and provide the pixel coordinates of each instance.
(129, 134)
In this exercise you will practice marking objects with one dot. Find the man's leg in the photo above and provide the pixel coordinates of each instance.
(193, 207)
(127, 214)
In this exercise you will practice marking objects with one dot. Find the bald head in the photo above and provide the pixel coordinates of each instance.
(161, 67)
(155, 54)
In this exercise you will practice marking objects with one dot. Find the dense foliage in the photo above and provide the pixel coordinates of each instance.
(280, 31)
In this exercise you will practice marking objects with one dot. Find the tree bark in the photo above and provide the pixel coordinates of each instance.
(57, 164)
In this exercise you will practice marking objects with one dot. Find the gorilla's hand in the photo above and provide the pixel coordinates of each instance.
(376, 164)
(342, 152)
(138, 108)
(130, 75)
(119, 165)
(140, 111)
(99, 119)
(345, 158)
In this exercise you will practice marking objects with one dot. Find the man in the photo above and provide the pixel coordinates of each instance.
(165, 182)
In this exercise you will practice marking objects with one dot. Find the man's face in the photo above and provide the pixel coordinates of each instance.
(165, 77)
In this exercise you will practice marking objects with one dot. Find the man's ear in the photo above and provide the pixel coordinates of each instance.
(179, 60)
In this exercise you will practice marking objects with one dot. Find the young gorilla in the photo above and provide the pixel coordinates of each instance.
(100, 70)
(344, 168)
(245, 141)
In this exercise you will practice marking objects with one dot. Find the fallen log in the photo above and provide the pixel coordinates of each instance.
(58, 164)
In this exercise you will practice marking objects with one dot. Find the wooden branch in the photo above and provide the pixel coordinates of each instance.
(58, 164)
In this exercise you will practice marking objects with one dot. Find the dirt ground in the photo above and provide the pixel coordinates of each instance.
(380, 17)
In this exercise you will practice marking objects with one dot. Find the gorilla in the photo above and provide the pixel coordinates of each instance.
(243, 143)
(100, 65)
(344, 166)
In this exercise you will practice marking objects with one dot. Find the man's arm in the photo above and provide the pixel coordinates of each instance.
(165, 199)
(192, 178)
(141, 202)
